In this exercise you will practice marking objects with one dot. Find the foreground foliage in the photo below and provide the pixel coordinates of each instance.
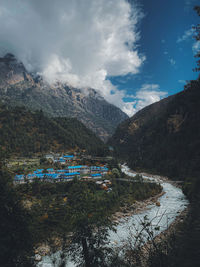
(16, 244)
(77, 214)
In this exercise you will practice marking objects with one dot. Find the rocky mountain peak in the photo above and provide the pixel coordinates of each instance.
(12, 71)
(18, 87)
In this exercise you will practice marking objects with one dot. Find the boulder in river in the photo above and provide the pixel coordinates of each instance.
(158, 204)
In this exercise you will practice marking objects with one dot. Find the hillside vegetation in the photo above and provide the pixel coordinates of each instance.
(164, 137)
(24, 132)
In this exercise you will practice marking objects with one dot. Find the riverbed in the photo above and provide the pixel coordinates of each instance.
(172, 203)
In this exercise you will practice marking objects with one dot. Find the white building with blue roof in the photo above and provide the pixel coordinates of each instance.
(62, 175)
(68, 176)
(68, 157)
(19, 179)
(79, 168)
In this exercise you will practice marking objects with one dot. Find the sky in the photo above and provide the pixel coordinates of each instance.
(133, 52)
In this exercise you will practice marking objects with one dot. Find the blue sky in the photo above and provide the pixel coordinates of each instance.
(134, 52)
(166, 45)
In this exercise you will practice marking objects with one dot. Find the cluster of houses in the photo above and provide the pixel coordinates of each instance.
(60, 159)
(67, 174)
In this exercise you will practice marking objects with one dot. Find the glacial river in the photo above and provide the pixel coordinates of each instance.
(171, 204)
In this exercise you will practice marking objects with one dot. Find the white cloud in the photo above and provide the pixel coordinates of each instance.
(172, 61)
(187, 35)
(146, 95)
(189, 4)
(182, 81)
(78, 42)
(196, 47)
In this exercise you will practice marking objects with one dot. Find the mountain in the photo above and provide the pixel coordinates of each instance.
(18, 87)
(24, 132)
(164, 137)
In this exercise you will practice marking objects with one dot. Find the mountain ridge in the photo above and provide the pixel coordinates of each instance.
(18, 87)
(164, 137)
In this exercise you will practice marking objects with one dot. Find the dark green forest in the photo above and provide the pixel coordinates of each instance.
(24, 133)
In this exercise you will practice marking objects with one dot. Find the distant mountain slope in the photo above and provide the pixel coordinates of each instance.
(165, 136)
(23, 132)
(18, 87)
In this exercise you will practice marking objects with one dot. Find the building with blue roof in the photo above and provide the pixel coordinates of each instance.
(60, 175)
(72, 173)
(96, 175)
(61, 171)
(39, 175)
(39, 170)
(76, 167)
(68, 175)
(55, 175)
(80, 168)
(68, 157)
(30, 177)
(95, 169)
(19, 179)
(62, 160)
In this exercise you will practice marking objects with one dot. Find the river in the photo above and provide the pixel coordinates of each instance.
(171, 204)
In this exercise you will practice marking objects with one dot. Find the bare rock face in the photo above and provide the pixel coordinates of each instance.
(12, 71)
(18, 87)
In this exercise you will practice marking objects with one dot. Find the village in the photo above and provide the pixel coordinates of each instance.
(65, 168)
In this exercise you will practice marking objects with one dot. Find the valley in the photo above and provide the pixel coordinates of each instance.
(99, 133)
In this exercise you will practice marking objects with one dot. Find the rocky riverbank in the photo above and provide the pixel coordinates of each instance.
(136, 208)
(161, 244)
(124, 212)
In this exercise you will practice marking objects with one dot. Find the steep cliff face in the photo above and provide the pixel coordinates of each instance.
(164, 137)
(12, 72)
(18, 87)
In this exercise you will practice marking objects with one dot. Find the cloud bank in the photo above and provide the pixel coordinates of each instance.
(79, 42)
(146, 95)
(186, 36)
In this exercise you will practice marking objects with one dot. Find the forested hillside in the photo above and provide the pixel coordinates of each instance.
(164, 137)
(24, 132)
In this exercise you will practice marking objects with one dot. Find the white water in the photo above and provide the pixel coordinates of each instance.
(171, 204)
